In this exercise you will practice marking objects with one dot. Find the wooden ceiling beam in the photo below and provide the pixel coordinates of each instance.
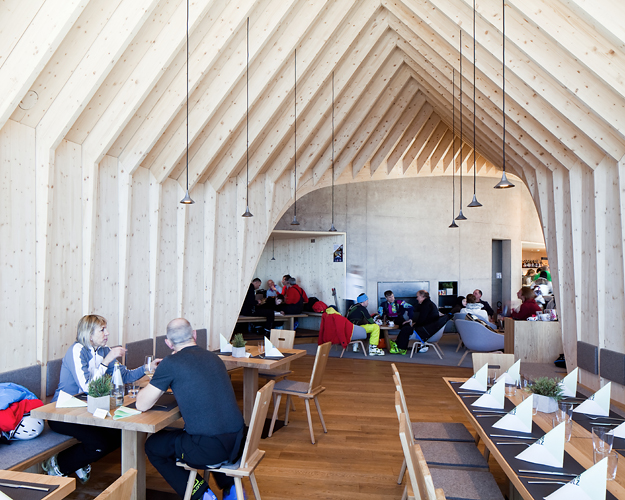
(409, 136)
(431, 146)
(420, 142)
(439, 153)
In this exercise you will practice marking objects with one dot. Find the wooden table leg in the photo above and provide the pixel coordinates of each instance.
(291, 324)
(250, 387)
(133, 457)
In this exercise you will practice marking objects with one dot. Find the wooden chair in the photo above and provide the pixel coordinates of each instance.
(122, 488)
(497, 362)
(251, 457)
(282, 339)
(303, 390)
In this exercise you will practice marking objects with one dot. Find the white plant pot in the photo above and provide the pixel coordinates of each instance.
(238, 352)
(94, 403)
(545, 404)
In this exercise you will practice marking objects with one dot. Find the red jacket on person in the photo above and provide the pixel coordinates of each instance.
(336, 329)
(527, 309)
(293, 294)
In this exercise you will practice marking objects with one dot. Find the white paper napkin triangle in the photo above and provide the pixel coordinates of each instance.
(619, 432)
(4, 497)
(224, 345)
(494, 397)
(589, 485)
(548, 450)
(271, 350)
(513, 374)
(519, 419)
(478, 381)
(569, 384)
(598, 403)
(66, 400)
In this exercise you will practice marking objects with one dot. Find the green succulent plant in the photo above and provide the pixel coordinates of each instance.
(99, 387)
(238, 341)
(549, 387)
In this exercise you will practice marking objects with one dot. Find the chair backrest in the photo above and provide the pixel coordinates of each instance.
(418, 472)
(282, 339)
(257, 421)
(477, 337)
(395, 370)
(404, 404)
(122, 488)
(498, 362)
(438, 335)
(320, 366)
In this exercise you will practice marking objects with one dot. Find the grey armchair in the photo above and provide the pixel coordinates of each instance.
(478, 338)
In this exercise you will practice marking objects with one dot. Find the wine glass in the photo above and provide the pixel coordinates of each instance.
(149, 366)
(261, 349)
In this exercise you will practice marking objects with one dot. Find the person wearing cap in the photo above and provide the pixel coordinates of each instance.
(359, 315)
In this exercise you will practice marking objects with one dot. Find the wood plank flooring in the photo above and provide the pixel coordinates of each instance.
(359, 457)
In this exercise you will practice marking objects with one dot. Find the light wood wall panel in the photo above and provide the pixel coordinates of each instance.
(193, 279)
(17, 246)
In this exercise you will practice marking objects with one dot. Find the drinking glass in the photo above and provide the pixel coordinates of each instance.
(149, 368)
(612, 456)
(602, 439)
(133, 389)
(261, 349)
(511, 389)
(492, 376)
(561, 417)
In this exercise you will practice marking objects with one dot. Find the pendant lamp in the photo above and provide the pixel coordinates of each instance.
(504, 183)
(187, 198)
(247, 127)
(474, 202)
(461, 215)
(273, 251)
(332, 228)
(295, 223)
(453, 149)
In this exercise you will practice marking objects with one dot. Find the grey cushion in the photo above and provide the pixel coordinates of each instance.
(137, 351)
(202, 338)
(439, 431)
(161, 347)
(612, 365)
(466, 485)
(19, 451)
(29, 377)
(452, 454)
(588, 357)
(53, 375)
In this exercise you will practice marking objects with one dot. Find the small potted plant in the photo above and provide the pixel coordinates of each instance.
(99, 395)
(547, 392)
(238, 346)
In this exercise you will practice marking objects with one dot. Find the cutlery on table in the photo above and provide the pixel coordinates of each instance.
(514, 442)
(604, 418)
(511, 436)
(24, 487)
(546, 482)
(550, 473)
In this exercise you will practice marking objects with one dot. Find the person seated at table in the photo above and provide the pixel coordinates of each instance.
(489, 310)
(294, 298)
(214, 430)
(275, 304)
(475, 308)
(396, 310)
(272, 291)
(426, 324)
(285, 283)
(250, 306)
(461, 302)
(87, 359)
(528, 307)
(359, 315)
(540, 271)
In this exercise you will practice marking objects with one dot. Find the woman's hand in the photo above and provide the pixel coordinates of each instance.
(114, 353)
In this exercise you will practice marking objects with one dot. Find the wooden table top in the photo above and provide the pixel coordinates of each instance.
(579, 447)
(65, 484)
(261, 363)
(278, 317)
(150, 421)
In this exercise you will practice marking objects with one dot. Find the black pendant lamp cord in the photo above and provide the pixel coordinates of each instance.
(453, 147)
(332, 150)
(295, 138)
(474, 171)
(461, 136)
(187, 95)
(503, 73)
(247, 116)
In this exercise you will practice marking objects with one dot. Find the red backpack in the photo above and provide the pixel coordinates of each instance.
(319, 306)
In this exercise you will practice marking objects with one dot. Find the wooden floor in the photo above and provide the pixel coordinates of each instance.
(359, 457)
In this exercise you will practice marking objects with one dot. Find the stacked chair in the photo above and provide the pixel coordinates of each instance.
(438, 461)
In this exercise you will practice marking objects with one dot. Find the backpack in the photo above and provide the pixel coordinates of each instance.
(308, 306)
(319, 306)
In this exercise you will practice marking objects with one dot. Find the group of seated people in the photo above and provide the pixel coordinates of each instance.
(214, 428)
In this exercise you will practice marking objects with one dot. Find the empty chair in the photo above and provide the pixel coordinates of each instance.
(282, 339)
(122, 488)
(251, 456)
(306, 391)
(478, 338)
(496, 361)
(358, 342)
(431, 342)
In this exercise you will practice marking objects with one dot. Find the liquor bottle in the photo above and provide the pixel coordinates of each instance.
(118, 385)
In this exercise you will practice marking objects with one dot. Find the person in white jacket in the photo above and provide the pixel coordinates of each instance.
(475, 308)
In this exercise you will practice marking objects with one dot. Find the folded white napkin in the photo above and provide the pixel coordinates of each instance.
(478, 381)
(4, 497)
(224, 345)
(589, 485)
(548, 450)
(619, 432)
(66, 400)
(271, 350)
(518, 419)
(569, 384)
(598, 403)
(493, 398)
(512, 375)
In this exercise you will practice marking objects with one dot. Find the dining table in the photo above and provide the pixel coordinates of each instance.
(19, 485)
(134, 430)
(251, 366)
(578, 452)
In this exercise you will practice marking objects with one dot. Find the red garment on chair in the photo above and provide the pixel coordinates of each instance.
(336, 329)
(12, 416)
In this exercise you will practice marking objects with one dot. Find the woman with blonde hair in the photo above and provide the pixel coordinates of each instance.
(87, 359)
(529, 306)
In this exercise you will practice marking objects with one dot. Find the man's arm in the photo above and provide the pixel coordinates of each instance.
(147, 397)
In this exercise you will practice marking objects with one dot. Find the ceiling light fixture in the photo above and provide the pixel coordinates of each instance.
(474, 202)
(504, 183)
(187, 198)
(453, 149)
(295, 223)
(461, 215)
(332, 228)
(247, 127)
(273, 251)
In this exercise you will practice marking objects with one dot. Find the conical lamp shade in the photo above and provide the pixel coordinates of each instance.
(453, 223)
(187, 199)
(247, 212)
(295, 223)
(461, 216)
(474, 202)
(504, 183)
(332, 229)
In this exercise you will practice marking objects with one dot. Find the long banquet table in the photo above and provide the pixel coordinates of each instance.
(578, 451)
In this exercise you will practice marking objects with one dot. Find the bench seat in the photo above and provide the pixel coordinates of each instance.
(21, 455)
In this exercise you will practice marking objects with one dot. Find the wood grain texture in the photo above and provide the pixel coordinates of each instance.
(66, 484)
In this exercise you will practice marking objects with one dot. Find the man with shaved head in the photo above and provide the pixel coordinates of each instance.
(214, 427)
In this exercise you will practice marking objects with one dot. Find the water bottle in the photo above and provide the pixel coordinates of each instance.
(118, 385)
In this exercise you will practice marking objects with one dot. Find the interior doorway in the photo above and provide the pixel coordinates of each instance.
(501, 273)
